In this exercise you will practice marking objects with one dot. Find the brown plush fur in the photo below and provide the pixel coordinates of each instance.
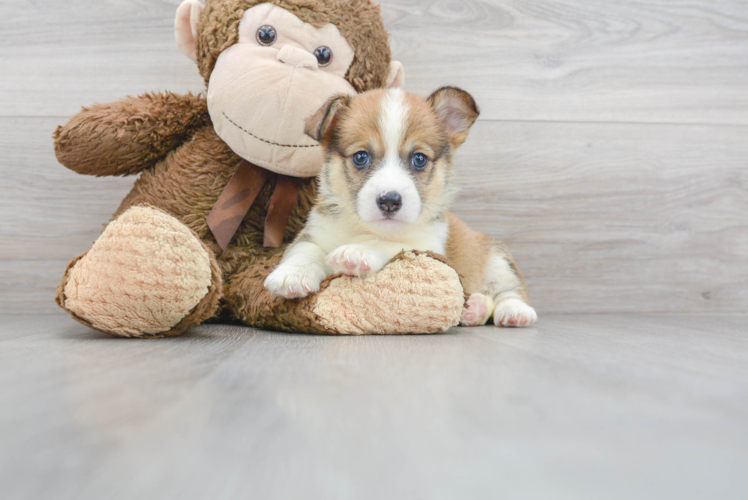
(169, 139)
(128, 136)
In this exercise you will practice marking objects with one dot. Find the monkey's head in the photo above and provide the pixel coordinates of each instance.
(270, 65)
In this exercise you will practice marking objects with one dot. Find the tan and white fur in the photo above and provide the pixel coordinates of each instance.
(385, 187)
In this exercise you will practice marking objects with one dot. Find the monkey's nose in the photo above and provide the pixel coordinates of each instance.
(389, 203)
(297, 57)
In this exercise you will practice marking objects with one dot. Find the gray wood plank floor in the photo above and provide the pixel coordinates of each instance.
(608, 406)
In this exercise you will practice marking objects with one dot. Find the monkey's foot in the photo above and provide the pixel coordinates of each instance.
(477, 311)
(414, 293)
(148, 275)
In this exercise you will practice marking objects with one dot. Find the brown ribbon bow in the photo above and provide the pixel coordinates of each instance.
(237, 198)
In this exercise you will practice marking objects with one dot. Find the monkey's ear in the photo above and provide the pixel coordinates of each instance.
(457, 110)
(321, 124)
(185, 27)
(396, 77)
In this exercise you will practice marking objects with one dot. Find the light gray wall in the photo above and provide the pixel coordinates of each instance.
(611, 153)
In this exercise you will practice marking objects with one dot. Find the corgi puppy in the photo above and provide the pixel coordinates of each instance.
(385, 187)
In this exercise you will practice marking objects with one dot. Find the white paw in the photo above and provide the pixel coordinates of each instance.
(478, 310)
(514, 312)
(293, 281)
(355, 260)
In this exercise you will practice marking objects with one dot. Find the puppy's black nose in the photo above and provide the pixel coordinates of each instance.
(390, 203)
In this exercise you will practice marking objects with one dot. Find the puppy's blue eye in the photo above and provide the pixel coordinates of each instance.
(419, 161)
(361, 159)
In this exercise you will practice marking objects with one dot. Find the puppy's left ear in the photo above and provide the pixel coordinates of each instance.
(321, 124)
(457, 110)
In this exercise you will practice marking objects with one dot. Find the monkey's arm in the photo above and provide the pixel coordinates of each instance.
(128, 136)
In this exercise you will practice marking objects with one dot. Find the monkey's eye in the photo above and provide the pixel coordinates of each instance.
(419, 161)
(361, 159)
(266, 35)
(323, 55)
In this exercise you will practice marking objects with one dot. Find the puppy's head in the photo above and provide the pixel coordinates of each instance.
(389, 153)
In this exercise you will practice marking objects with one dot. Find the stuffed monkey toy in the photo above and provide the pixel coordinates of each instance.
(226, 181)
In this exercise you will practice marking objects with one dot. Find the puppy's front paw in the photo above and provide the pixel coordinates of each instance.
(295, 282)
(514, 312)
(355, 260)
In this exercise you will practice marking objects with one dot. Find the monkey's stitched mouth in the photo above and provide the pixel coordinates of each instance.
(265, 140)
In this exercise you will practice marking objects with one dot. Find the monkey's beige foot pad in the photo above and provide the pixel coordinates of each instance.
(414, 293)
(147, 275)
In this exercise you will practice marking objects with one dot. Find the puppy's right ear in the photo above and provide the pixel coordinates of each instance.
(321, 124)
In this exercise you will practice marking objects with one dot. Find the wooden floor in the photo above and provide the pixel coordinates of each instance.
(607, 406)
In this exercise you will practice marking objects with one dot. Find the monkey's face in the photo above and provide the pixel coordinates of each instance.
(264, 87)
